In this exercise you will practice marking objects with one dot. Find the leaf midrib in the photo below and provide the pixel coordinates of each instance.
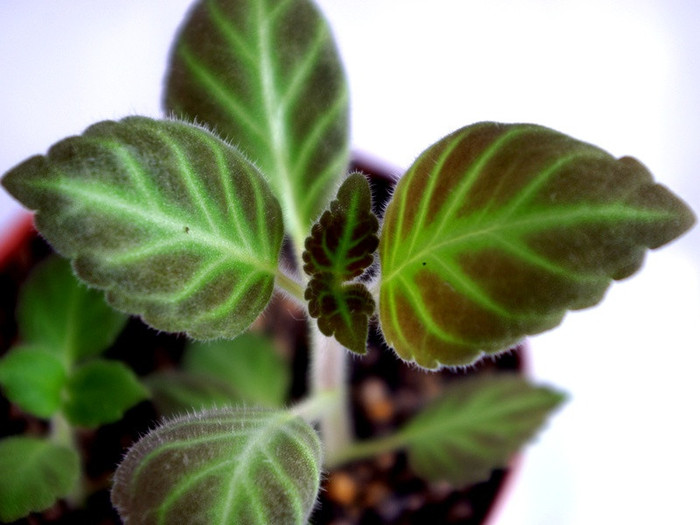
(156, 218)
(538, 221)
(275, 119)
(259, 438)
(479, 417)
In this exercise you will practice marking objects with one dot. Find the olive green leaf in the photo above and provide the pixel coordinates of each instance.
(497, 230)
(175, 224)
(267, 76)
(100, 392)
(34, 473)
(475, 427)
(62, 315)
(229, 466)
(341, 248)
(33, 378)
(241, 364)
(224, 372)
(175, 392)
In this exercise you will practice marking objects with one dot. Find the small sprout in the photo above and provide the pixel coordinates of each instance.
(55, 373)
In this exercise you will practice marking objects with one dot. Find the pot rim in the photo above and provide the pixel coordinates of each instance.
(12, 236)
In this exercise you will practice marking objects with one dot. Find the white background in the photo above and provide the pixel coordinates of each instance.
(623, 74)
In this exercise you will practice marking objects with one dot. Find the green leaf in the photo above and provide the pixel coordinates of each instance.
(59, 313)
(224, 466)
(33, 379)
(497, 230)
(176, 392)
(341, 248)
(249, 365)
(247, 370)
(475, 427)
(34, 473)
(175, 224)
(267, 75)
(100, 392)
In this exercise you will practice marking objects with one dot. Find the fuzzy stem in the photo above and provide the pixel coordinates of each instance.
(373, 287)
(329, 374)
(312, 409)
(290, 285)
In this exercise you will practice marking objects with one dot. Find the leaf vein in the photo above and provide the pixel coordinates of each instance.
(471, 175)
(231, 35)
(211, 83)
(424, 315)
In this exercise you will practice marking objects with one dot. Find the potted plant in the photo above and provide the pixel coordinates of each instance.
(192, 222)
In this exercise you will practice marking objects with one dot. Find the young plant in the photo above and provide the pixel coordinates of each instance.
(493, 234)
(55, 373)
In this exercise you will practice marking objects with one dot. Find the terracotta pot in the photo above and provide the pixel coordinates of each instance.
(385, 393)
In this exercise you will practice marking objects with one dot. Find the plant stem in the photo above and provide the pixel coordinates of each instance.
(373, 287)
(313, 408)
(365, 449)
(329, 375)
(290, 285)
(63, 433)
(328, 391)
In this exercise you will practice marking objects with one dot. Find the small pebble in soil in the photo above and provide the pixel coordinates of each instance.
(385, 461)
(462, 510)
(341, 487)
(376, 400)
(376, 494)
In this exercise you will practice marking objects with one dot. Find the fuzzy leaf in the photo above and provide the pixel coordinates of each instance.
(241, 364)
(175, 392)
(34, 473)
(33, 378)
(343, 311)
(267, 75)
(100, 392)
(341, 248)
(225, 372)
(497, 230)
(476, 427)
(230, 466)
(175, 224)
(343, 241)
(59, 313)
